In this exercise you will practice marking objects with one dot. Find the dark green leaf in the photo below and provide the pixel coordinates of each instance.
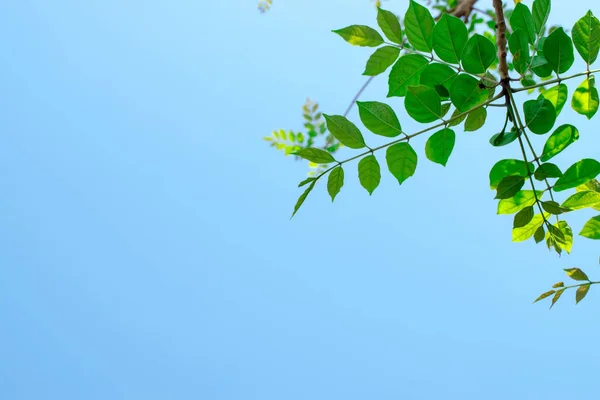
(522, 199)
(519, 47)
(547, 170)
(562, 137)
(509, 186)
(586, 37)
(390, 25)
(541, 11)
(521, 18)
(406, 72)
(344, 131)
(567, 232)
(558, 51)
(540, 115)
(381, 60)
(584, 199)
(509, 167)
(466, 93)
(435, 75)
(539, 234)
(523, 217)
(419, 24)
(581, 292)
(557, 95)
(527, 231)
(302, 198)
(585, 98)
(540, 66)
(369, 173)
(423, 104)
(335, 181)
(360, 35)
(439, 146)
(576, 274)
(475, 120)
(479, 53)
(578, 173)
(591, 229)
(306, 181)
(553, 207)
(402, 161)
(504, 138)
(317, 156)
(379, 118)
(449, 38)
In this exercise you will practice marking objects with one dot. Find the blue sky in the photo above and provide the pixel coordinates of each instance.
(145, 239)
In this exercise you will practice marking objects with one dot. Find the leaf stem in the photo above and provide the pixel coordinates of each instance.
(558, 80)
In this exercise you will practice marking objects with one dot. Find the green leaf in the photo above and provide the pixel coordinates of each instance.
(523, 217)
(435, 75)
(335, 181)
(558, 285)
(423, 104)
(585, 98)
(527, 231)
(479, 53)
(581, 292)
(584, 199)
(475, 120)
(466, 93)
(541, 11)
(586, 37)
(504, 138)
(509, 186)
(547, 170)
(419, 24)
(556, 296)
(317, 156)
(302, 198)
(562, 137)
(439, 146)
(509, 167)
(540, 66)
(521, 18)
(406, 72)
(381, 60)
(591, 229)
(360, 35)
(522, 199)
(544, 295)
(578, 173)
(344, 131)
(449, 38)
(519, 47)
(557, 95)
(306, 181)
(390, 25)
(446, 108)
(539, 234)
(558, 51)
(554, 208)
(567, 234)
(456, 118)
(402, 161)
(576, 274)
(369, 173)
(379, 118)
(540, 115)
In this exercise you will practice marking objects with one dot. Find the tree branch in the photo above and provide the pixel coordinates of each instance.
(501, 40)
(464, 9)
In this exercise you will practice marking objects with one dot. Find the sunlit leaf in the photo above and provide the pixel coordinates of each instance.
(585, 98)
(522, 199)
(581, 292)
(360, 35)
(557, 95)
(576, 274)
(584, 199)
(527, 231)
(591, 229)
(560, 139)
(577, 174)
(509, 167)
(556, 296)
(586, 37)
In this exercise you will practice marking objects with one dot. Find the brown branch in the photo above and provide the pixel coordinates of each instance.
(464, 9)
(501, 40)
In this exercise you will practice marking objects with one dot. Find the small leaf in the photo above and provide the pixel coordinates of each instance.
(475, 119)
(547, 170)
(540, 115)
(521, 18)
(554, 208)
(466, 93)
(360, 35)
(381, 60)
(335, 182)
(508, 167)
(591, 229)
(302, 198)
(583, 199)
(456, 118)
(369, 173)
(419, 24)
(586, 37)
(556, 297)
(423, 104)
(379, 118)
(558, 285)
(402, 161)
(581, 292)
(504, 138)
(519, 47)
(306, 181)
(390, 25)
(527, 231)
(558, 51)
(315, 155)
(479, 53)
(541, 11)
(562, 137)
(406, 72)
(523, 217)
(544, 295)
(557, 95)
(522, 199)
(435, 75)
(439, 146)
(539, 234)
(576, 274)
(567, 234)
(577, 174)
(449, 38)
(344, 131)
(585, 98)
(509, 186)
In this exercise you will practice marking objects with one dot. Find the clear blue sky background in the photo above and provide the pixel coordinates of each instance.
(145, 244)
